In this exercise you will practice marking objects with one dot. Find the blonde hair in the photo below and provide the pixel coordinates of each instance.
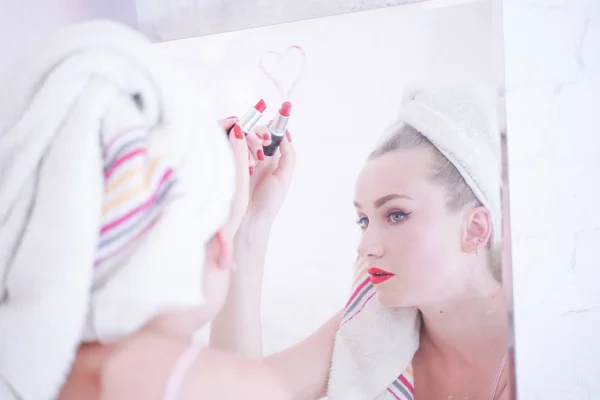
(459, 194)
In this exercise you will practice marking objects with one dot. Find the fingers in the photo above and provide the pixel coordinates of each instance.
(239, 147)
(257, 140)
(262, 132)
(255, 148)
(287, 161)
(282, 163)
(228, 123)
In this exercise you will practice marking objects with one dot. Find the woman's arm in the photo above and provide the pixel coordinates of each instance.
(141, 366)
(238, 325)
(305, 366)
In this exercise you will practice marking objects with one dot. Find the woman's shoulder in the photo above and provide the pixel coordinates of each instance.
(141, 368)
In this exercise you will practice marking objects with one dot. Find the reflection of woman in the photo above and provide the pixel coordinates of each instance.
(428, 205)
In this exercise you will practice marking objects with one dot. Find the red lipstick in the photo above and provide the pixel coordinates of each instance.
(278, 128)
(261, 106)
(379, 275)
(253, 115)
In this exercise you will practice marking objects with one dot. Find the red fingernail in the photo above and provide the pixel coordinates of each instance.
(288, 136)
(260, 155)
(251, 170)
(266, 136)
(238, 132)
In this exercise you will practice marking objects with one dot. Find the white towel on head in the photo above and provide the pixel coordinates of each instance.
(374, 346)
(460, 119)
(99, 126)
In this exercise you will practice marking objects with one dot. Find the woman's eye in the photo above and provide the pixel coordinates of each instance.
(397, 216)
(362, 222)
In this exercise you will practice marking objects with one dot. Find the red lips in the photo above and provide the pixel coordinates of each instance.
(379, 275)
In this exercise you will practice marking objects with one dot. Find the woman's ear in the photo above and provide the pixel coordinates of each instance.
(477, 230)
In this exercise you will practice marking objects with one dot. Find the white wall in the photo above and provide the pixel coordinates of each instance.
(552, 56)
(357, 67)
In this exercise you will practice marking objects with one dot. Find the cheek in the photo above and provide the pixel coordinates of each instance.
(419, 248)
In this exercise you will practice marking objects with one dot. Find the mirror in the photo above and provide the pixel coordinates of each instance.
(349, 94)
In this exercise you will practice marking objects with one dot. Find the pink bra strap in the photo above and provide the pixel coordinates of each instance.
(497, 379)
(182, 365)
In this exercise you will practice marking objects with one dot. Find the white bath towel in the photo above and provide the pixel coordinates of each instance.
(375, 345)
(113, 175)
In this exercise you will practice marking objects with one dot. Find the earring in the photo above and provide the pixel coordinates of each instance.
(477, 250)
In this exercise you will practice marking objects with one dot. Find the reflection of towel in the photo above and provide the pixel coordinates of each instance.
(375, 345)
(460, 120)
(113, 176)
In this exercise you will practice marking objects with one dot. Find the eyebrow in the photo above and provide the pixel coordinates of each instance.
(382, 200)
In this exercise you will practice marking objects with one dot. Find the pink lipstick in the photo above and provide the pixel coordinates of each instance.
(379, 275)
(277, 128)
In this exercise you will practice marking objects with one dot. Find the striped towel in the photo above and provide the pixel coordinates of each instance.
(113, 174)
(137, 187)
(373, 347)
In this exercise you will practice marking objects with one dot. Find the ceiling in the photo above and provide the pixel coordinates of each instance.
(178, 19)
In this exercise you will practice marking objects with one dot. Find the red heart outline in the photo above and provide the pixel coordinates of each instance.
(281, 56)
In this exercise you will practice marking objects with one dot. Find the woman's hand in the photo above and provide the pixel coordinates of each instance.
(271, 177)
(267, 178)
(239, 146)
(237, 327)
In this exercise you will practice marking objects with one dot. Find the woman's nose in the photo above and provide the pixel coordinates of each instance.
(370, 244)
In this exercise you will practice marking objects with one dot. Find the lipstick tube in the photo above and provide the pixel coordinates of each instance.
(250, 119)
(277, 128)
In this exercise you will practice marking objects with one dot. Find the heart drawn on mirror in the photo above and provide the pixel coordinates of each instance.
(284, 67)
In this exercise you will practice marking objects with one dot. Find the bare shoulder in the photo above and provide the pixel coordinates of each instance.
(140, 370)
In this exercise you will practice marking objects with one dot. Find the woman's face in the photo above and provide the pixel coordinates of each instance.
(408, 232)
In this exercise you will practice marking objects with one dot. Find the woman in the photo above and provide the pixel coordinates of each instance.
(144, 364)
(428, 205)
(118, 211)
